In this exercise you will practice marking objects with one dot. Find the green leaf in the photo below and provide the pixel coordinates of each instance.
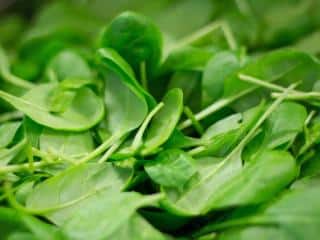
(66, 144)
(85, 111)
(62, 196)
(190, 84)
(295, 215)
(172, 168)
(95, 218)
(136, 39)
(282, 66)
(278, 132)
(126, 109)
(218, 68)
(113, 61)
(164, 122)
(214, 183)
(186, 59)
(69, 64)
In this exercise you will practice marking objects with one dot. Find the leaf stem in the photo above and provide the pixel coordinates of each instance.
(197, 125)
(214, 107)
(110, 151)
(137, 141)
(10, 116)
(143, 75)
(261, 83)
(99, 150)
(24, 166)
(205, 31)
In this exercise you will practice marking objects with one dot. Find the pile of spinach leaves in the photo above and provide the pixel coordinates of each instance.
(181, 119)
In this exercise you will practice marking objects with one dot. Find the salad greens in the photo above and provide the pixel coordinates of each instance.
(160, 120)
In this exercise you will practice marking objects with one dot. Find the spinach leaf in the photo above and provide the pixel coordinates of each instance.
(69, 64)
(66, 144)
(136, 39)
(164, 122)
(112, 60)
(85, 110)
(172, 168)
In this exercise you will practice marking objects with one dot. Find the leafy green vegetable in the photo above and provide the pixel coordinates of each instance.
(161, 120)
(172, 168)
(85, 107)
(136, 39)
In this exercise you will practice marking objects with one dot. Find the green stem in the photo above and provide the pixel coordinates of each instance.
(99, 150)
(9, 77)
(196, 150)
(197, 125)
(205, 31)
(10, 116)
(300, 95)
(24, 166)
(110, 151)
(265, 115)
(218, 105)
(143, 75)
(309, 118)
(138, 139)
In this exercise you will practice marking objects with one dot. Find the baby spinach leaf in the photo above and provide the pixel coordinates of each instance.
(66, 144)
(218, 68)
(112, 60)
(190, 84)
(136, 39)
(101, 210)
(289, 214)
(172, 168)
(61, 196)
(258, 181)
(125, 108)
(229, 123)
(186, 59)
(69, 64)
(281, 65)
(164, 122)
(179, 140)
(278, 132)
(85, 111)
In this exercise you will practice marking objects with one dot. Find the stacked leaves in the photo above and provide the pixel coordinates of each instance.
(133, 133)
